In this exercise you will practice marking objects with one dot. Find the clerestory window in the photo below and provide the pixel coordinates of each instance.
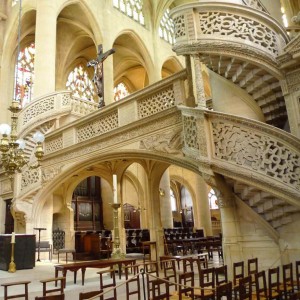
(132, 8)
(213, 200)
(166, 28)
(120, 91)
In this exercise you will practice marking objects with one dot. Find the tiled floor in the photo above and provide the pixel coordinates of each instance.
(45, 270)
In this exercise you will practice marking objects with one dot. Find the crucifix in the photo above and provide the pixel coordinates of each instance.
(98, 72)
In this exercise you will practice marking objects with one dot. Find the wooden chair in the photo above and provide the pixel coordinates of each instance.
(88, 295)
(261, 289)
(207, 284)
(245, 288)
(170, 273)
(252, 268)
(297, 281)
(287, 287)
(224, 290)
(61, 280)
(221, 275)
(51, 297)
(295, 296)
(152, 271)
(133, 286)
(160, 290)
(273, 283)
(14, 284)
(238, 273)
(186, 287)
(112, 284)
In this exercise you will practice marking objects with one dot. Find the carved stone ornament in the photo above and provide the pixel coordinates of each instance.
(171, 142)
(256, 4)
(49, 173)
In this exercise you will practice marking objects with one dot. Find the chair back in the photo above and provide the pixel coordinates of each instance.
(288, 280)
(273, 283)
(224, 290)
(261, 285)
(169, 268)
(207, 282)
(91, 294)
(245, 288)
(252, 266)
(160, 290)
(186, 287)
(221, 275)
(238, 271)
(297, 265)
(51, 297)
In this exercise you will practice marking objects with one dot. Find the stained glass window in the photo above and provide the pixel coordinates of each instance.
(120, 91)
(14, 2)
(81, 85)
(166, 27)
(173, 200)
(25, 75)
(132, 8)
(213, 200)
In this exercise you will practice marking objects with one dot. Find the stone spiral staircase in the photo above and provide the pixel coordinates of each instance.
(240, 43)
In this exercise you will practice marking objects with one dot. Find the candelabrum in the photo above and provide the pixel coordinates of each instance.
(12, 149)
(12, 265)
(117, 251)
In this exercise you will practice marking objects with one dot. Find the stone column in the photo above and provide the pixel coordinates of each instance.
(165, 201)
(45, 45)
(199, 84)
(202, 216)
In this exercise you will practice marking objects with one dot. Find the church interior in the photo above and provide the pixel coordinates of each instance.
(152, 131)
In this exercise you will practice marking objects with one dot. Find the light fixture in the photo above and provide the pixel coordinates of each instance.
(12, 149)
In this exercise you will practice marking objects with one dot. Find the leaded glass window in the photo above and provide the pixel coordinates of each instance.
(80, 84)
(120, 91)
(25, 75)
(213, 200)
(166, 27)
(132, 8)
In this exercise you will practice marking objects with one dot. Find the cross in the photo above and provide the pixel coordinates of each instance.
(98, 72)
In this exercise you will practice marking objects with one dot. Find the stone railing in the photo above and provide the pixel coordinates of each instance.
(227, 28)
(244, 149)
(152, 100)
(52, 106)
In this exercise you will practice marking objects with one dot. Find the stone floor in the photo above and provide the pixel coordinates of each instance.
(45, 270)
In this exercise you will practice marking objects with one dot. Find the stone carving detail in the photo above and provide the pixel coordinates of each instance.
(190, 132)
(98, 127)
(167, 142)
(50, 173)
(255, 4)
(66, 100)
(217, 23)
(256, 151)
(179, 26)
(293, 81)
(54, 145)
(29, 177)
(156, 103)
(39, 108)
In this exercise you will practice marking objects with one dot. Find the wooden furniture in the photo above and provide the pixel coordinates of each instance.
(252, 267)
(133, 286)
(61, 280)
(112, 284)
(287, 287)
(160, 290)
(135, 239)
(13, 284)
(91, 294)
(51, 297)
(186, 286)
(207, 284)
(24, 251)
(83, 265)
(261, 289)
(224, 290)
(43, 246)
(66, 252)
(245, 288)
(297, 281)
(273, 283)
(170, 273)
(152, 272)
(238, 273)
(149, 245)
(221, 275)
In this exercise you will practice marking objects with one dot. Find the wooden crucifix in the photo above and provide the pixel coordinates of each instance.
(98, 72)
